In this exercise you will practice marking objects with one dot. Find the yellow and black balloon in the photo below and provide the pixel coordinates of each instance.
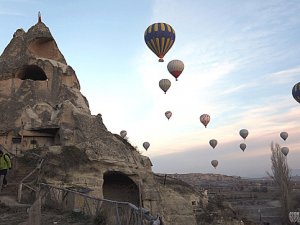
(159, 37)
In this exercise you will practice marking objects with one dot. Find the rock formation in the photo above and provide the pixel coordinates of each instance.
(42, 108)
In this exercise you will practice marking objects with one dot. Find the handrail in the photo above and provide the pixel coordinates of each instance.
(38, 167)
(89, 197)
(145, 213)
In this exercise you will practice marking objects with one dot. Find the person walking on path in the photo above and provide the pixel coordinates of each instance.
(5, 165)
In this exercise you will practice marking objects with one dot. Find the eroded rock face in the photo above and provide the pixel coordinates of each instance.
(41, 107)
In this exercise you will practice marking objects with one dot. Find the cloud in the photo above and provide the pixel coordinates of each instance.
(284, 76)
(10, 13)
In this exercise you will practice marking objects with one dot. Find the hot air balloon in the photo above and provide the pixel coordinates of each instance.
(146, 145)
(296, 92)
(123, 133)
(159, 37)
(214, 163)
(175, 67)
(168, 114)
(213, 143)
(165, 84)
(244, 133)
(243, 146)
(285, 150)
(284, 135)
(204, 119)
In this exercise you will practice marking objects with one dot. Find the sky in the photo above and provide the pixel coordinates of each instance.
(241, 61)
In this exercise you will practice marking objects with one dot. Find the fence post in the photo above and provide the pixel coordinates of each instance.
(20, 192)
(1, 182)
(34, 212)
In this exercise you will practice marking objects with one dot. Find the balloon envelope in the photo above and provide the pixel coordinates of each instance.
(244, 133)
(296, 92)
(168, 114)
(213, 143)
(175, 67)
(214, 163)
(123, 133)
(285, 150)
(204, 119)
(284, 135)
(165, 84)
(243, 146)
(146, 145)
(159, 37)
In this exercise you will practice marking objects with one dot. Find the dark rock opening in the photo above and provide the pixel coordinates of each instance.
(32, 72)
(119, 187)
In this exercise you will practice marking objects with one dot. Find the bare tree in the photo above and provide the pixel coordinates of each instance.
(281, 175)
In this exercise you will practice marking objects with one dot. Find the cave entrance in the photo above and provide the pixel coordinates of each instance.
(119, 187)
(32, 72)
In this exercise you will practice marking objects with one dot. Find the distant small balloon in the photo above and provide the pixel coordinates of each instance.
(123, 133)
(165, 84)
(213, 143)
(243, 146)
(284, 135)
(168, 114)
(285, 150)
(214, 163)
(244, 133)
(204, 119)
(146, 145)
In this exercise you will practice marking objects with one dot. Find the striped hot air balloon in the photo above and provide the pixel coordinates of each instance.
(175, 67)
(296, 92)
(159, 37)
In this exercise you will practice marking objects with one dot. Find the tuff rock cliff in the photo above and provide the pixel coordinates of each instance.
(41, 107)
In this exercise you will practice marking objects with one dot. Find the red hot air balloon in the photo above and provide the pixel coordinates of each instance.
(175, 67)
(204, 119)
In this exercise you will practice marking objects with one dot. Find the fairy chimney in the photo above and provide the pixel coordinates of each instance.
(41, 106)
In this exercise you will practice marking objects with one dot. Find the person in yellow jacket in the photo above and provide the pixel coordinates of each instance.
(5, 165)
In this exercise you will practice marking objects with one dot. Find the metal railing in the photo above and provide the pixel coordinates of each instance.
(115, 213)
(27, 185)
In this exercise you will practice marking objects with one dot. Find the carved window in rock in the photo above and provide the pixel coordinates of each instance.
(32, 72)
(118, 186)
